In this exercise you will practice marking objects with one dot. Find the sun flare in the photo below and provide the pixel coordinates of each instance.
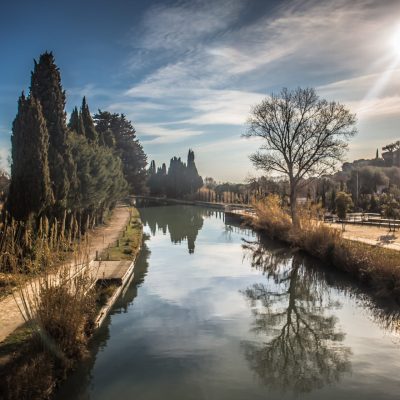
(396, 42)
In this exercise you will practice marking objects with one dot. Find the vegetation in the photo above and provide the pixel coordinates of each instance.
(303, 136)
(180, 181)
(30, 190)
(118, 134)
(376, 266)
(46, 88)
(128, 244)
(59, 311)
(59, 306)
(80, 170)
(343, 204)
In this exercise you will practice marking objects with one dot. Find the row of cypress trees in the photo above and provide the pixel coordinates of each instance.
(80, 168)
(179, 181)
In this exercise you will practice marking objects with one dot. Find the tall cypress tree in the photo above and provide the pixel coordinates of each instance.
(88, 124)
(46, 88)
(30, 190)
(75, 122)
(194, 180)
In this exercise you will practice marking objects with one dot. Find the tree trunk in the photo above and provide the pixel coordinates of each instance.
(293, 207)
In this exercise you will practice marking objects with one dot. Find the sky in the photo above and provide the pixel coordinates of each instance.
(187, 73)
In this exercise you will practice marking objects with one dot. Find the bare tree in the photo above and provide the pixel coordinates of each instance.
(304, 136)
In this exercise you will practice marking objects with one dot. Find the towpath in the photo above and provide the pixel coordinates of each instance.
(99, 239)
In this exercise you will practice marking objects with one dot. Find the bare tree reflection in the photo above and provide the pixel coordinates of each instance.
(302, 348)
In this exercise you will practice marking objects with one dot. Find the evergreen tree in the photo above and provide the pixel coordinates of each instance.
(152, 168)
(127, 146)
(101, 182)
(46, 88)
(76, 123)
(88, 124)
(30, 190)
(194, 180)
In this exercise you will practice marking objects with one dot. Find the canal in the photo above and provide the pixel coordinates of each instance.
(215, 312)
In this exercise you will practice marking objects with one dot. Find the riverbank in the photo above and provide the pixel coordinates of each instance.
(98, 240)
(376, 266)
(32, 351)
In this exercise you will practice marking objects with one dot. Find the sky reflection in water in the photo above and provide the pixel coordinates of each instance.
(215, 314)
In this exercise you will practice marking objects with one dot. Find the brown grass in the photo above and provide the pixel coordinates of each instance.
(376, 266)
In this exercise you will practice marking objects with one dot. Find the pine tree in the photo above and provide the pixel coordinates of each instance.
(30, 190)
(46, 88)
(88, 124)
(117, 127)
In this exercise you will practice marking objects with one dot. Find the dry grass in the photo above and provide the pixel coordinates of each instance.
(374, 265)
(272, 218)
(59, 310)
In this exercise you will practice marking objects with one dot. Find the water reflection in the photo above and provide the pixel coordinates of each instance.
(181, 222)
(302, 348)
(79, 382)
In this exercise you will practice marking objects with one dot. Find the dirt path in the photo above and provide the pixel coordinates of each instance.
(99, 239)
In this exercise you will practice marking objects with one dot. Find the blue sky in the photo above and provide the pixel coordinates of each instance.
(187, 72)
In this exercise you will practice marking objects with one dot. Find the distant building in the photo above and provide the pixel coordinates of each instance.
(391, 154)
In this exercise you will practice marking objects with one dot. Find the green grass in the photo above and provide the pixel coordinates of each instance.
(128, 244)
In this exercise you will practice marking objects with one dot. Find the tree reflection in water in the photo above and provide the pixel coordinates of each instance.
(303, 348)
(182, 222)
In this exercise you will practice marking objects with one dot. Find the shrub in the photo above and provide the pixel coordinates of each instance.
(377, 266)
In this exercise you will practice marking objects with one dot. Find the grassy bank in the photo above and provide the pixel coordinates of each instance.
(376, 266)
(128, 243)
(60, 311)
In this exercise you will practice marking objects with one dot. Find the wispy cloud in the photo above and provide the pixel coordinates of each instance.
(160, 134)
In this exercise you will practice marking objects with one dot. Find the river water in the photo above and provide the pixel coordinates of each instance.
(215, 312)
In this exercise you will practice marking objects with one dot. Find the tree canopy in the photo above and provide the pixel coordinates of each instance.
(303, 136)
(117, 132)
(30, 189)
(180, 180)
(80, 169)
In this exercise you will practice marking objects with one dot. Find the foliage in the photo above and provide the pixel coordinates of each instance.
(129, 242)
(181, 179)
(118, 133)
(46, 88)
(272, 218)
(100, 180)
(376, 266)
(343, 204)
(30, 190)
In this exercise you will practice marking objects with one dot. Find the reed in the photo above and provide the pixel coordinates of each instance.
(376, 266)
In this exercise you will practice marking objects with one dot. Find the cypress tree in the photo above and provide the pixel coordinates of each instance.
(46, 88)
(88, 124)
(194, 180)
(76, 123)
(30, 190)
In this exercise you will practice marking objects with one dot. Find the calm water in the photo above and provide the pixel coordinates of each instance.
(215, 313)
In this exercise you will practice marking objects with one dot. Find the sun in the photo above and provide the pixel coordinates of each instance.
(396, 42)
